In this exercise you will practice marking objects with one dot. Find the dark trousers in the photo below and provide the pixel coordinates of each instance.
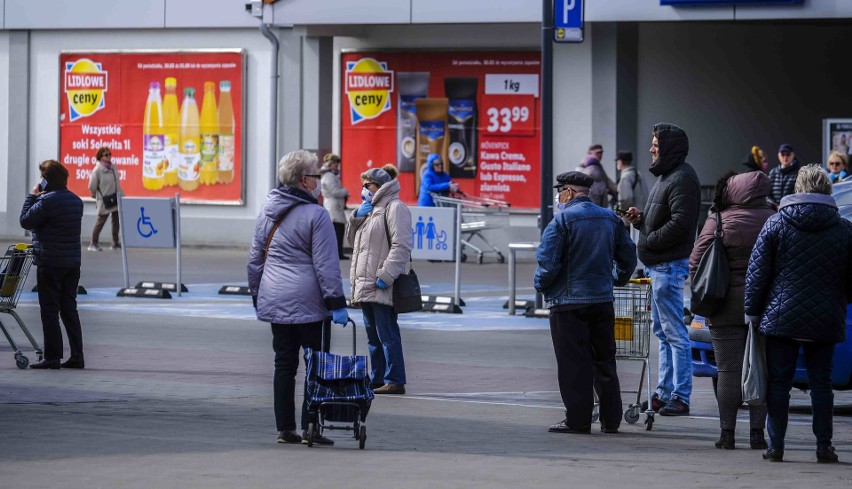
(286, 341)
(57, 298)
(781, 355)
(729, 344)
(99, 225)
(339, 229)
(584, 343)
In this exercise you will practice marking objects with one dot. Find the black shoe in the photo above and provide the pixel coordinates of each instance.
(726, 440)
(756, 439)
(656, 404)
(774, 455)
(675, 407)
(74, 362)
(46, 364)
(826, 455)
(317, 439)
(562, 427)
(609, 429)
(288, 437)
(343, 257)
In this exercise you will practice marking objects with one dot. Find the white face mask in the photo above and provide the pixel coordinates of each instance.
(367, 196)
(315, 193)
(558, 206)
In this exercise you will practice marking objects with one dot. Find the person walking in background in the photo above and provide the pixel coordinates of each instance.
(54, 214)
(435, 180)
(105, 186)
(632, 192)
(579, 249)
(783, 176)
(798, 283)
(741, 200)
(591, 166)
(837, 163)
(756, 160)
(381, 236)
(667, 230)
(294, 274)
(334, 196)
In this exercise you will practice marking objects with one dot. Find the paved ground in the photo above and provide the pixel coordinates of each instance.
(177, 393)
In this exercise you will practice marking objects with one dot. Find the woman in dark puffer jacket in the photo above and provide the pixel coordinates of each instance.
(741, 199)
(798, 284)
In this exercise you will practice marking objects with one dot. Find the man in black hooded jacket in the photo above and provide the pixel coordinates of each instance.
(667, 228)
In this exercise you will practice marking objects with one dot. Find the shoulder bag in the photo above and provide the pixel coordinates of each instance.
(710, 284)
(406, 288)
(275, 228)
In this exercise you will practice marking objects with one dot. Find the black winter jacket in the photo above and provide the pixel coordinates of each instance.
(55, 219)
(670, 217)
(783, 181)
(799, 276)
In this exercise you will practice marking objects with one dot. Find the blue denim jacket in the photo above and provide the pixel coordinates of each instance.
(577, 253)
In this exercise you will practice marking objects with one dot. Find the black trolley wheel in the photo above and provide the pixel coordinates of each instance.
(362, 437)
(632, 414)
(310, 434)
(21, 361)
(649, 422)
(501, 258)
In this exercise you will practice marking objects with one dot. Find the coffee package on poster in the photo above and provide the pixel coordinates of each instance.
(461, 93)
(410, 87)
(431, 133)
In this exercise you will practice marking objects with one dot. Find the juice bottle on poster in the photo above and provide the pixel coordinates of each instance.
(153, 149)
(190, 153)
(209, 136)
(171, 128)
(226, 133)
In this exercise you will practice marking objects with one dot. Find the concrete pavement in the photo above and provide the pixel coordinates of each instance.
(177, 393)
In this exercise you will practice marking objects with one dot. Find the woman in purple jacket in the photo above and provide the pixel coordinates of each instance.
(741, 199)
(294, 276)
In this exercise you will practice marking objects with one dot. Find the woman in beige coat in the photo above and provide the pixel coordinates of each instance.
(104, 181)
(380, 234)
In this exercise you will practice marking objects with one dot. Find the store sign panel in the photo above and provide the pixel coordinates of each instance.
(172, 121)
(478, 110)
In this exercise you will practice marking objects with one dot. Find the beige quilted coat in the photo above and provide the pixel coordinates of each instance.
(371, 256)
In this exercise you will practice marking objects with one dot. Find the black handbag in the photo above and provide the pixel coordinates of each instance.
(406, 288)
(709, 287)
(110, 200)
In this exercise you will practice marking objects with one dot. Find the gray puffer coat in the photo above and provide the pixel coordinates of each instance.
(299, 281)
(372, 258)
(104, 181)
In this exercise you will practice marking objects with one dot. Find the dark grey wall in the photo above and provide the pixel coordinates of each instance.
(733, 85)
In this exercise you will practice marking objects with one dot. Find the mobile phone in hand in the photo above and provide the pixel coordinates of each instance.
(619, 211)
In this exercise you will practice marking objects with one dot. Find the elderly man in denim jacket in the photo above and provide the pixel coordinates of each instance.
(584, 251)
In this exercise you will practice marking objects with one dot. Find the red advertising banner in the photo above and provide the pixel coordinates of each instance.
(479, 110)
(172, 121)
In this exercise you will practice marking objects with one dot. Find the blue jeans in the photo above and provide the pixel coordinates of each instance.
(385, 344)
(675, 378)
(781, 355)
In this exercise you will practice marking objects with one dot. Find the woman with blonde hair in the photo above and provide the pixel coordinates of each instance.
(837, 163)
(380, 234)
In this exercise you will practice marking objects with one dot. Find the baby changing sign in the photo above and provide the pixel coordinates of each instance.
(433, 233)
(369, 84)
(172, 121)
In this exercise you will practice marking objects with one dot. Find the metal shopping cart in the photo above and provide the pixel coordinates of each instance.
(632, 341)
(14, 267)
(478, 215)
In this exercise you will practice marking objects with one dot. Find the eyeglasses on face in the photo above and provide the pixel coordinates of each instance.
(314, 176)
(368, 185)
(835, 163)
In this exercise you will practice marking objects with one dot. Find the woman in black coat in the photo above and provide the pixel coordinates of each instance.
(798, 284)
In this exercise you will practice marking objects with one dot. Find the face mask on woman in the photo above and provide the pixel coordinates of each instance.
(315, 193)
(367, 196)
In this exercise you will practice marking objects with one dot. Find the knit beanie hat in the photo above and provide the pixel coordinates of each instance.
(376, 175)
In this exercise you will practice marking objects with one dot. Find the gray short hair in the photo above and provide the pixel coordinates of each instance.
(812, 179)
(296, 164)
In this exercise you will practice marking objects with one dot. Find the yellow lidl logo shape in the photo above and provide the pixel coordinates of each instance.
(85, 86)
(368, 85)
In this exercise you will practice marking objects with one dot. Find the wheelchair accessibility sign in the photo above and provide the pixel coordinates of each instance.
(148, 222)
(433, 233)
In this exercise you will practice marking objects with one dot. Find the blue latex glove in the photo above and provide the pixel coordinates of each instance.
(340, 316)
(365, 209)
(381, 284)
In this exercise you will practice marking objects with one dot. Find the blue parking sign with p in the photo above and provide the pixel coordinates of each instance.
(568, 20)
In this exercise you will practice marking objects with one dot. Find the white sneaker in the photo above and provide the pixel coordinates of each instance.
(94, 247)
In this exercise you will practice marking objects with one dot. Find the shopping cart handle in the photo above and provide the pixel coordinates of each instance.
(643, 281)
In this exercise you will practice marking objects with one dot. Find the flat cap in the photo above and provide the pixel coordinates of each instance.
(577, 178)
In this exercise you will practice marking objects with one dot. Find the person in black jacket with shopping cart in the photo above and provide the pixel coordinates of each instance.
(54, 214)
(575, 273)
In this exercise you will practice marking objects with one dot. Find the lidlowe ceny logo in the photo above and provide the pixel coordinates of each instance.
(368, 85)
(85, 84)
